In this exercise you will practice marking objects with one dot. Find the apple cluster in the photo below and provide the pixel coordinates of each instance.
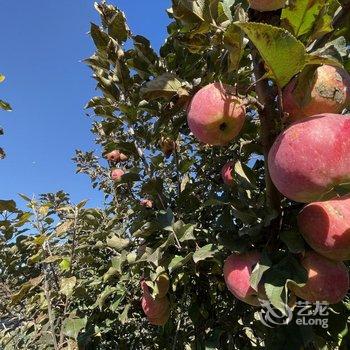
(114, 157)
(307, 163)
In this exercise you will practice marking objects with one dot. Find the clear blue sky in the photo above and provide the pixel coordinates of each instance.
(42, 44)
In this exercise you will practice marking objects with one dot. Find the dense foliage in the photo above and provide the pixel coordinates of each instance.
(70, 275)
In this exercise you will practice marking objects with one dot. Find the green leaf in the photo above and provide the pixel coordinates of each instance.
(2, 78)
(64, 265)
(300, 16)
(72, 326)
(261, 267)
(206, 252)
(118, 243)
(64, 227)
(104, 295)
(5, 106)
(233, 40)
(118, 29)
(8, 205)
(283, 54)
(99, 37)
(324, 22)
(67, 286)
(165, 86)
(123, 317)
(276, 294)
(179, 261)
(184, 232)
(293, 241)
(166, 219)
(227, 6)
(244, 174)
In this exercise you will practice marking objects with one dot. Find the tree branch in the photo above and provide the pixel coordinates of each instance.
(270, 118)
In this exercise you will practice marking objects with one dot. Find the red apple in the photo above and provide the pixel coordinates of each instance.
(328, 92)
(116, 174)
(116, 156)
(326, 227)
(311, 157)
(328, 280)
(157, 310)
(237, 271)
(266, 5)
(113, 156)
(147, 203)
(226, 173)
(216, 115)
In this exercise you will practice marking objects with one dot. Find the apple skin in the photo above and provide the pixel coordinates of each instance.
(157, 310)
(311, 157)
(226, 173)
(215, 115)
(326, 227)
(147, 203)
(116, 174)
(237, 271)
(329, 93)
(328, 280)
(116, 156)
(266, 5)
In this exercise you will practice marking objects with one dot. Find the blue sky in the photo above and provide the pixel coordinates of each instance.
(42, 45)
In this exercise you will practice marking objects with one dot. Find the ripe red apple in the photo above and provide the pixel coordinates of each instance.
(216, 115)
(147, 203)
(116, 174)
(327, 92)
(328, 280)
(113, 156)
(116, 156)
(226, 173)
(237, 271)
(311, 157)
(326, 227)
(157, 310)
(266, 5)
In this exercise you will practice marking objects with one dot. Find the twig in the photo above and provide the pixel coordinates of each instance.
(176, 334)
(269, 120)
(49, 312)
(72, 256)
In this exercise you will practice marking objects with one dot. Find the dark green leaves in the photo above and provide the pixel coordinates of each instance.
(300, 16)
(100, 38)
(8, 205)
(73, 326)
(206, 252)
(118, 28)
